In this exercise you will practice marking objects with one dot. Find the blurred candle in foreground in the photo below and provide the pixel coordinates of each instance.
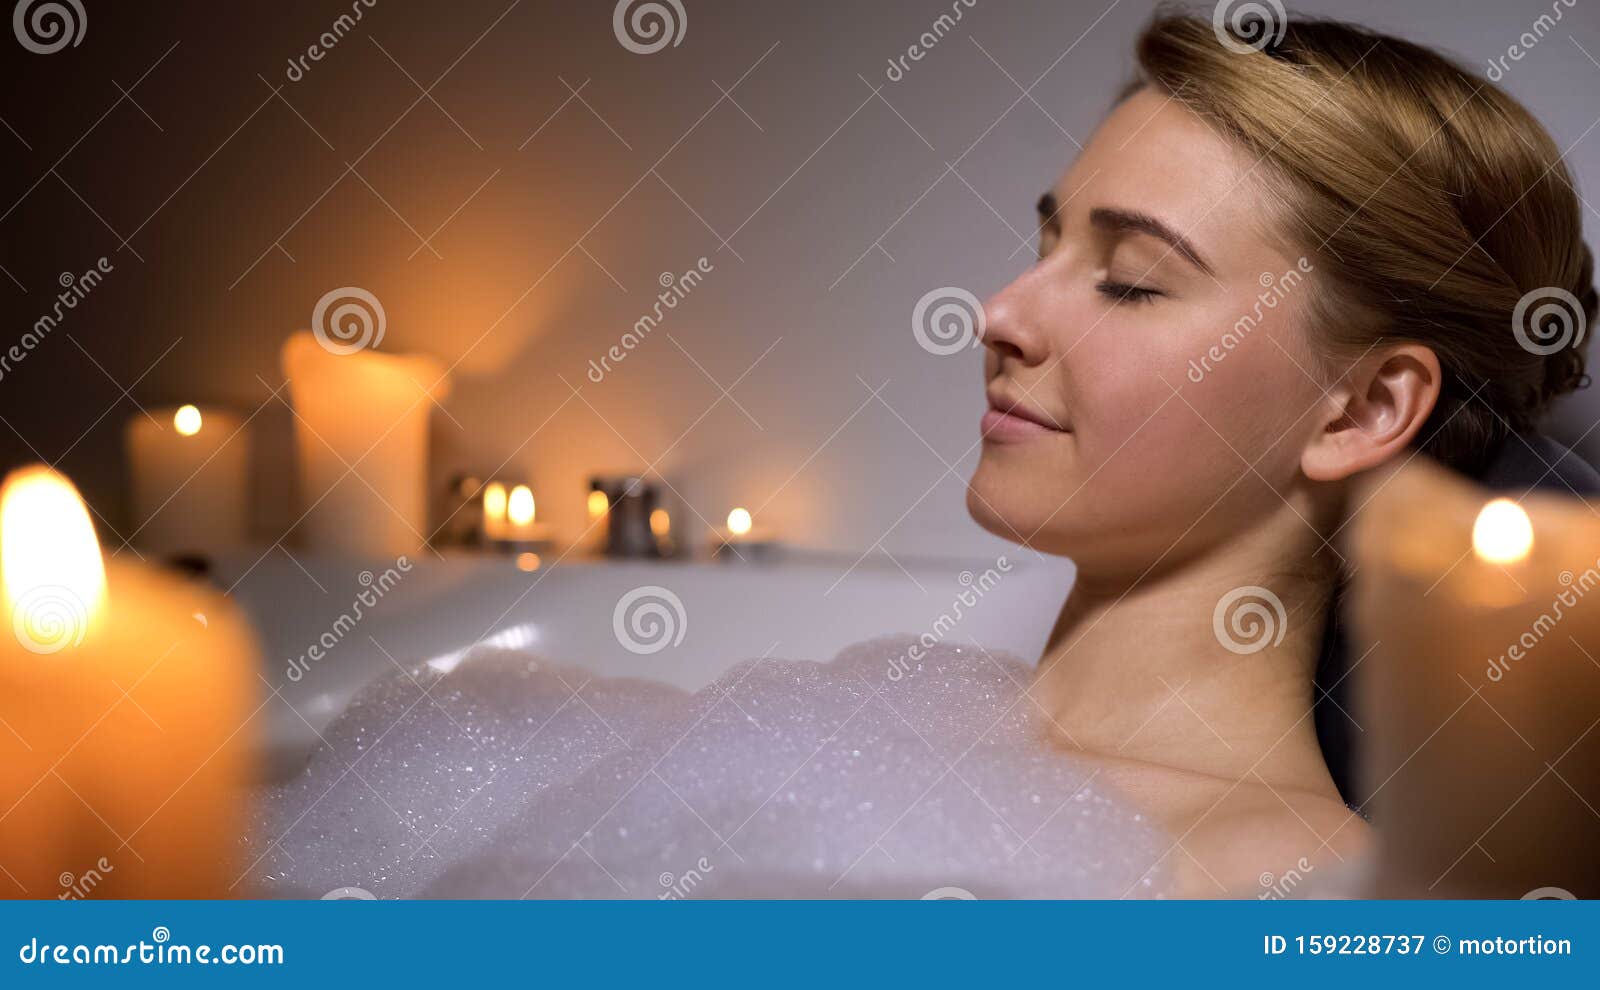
(361, 427)
(1478, 683)
(190, 469)
(125, 701)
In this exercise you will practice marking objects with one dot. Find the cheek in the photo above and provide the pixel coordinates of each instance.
(1143, 416)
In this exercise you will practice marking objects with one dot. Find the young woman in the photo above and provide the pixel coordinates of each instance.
(1269, 273)
(1280, 262)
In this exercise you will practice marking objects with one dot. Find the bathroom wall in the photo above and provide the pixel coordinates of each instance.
(512, 184)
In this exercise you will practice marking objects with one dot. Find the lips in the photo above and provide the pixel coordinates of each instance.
(1011, 420)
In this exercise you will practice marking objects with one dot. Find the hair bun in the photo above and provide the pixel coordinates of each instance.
(1565, 369)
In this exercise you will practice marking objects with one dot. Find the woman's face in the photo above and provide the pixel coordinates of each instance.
(1149, 379)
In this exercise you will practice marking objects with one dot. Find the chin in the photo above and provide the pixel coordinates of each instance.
(993, 504)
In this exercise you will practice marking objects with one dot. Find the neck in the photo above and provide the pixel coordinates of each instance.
(1135, 670)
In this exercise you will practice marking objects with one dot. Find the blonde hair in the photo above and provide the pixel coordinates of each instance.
(1436, 208)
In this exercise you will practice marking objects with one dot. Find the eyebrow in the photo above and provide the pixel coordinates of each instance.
(1132, 221)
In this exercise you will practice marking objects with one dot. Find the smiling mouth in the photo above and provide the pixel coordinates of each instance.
(1006, 422)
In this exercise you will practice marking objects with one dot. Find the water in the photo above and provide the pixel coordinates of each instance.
(511, 777)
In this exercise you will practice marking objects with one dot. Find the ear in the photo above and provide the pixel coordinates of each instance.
(1374, 412)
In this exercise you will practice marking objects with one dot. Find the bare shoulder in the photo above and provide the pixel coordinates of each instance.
(1248, 838)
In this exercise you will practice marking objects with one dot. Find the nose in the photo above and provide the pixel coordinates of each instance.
(1012, 327)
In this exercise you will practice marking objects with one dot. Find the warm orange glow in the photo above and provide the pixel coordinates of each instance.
(739, 522)
(494, 502)
(186, 420)
(1503, 533)
(55, 582)
(597, 504)
(660, 522)
(519, 509)
(527, 561)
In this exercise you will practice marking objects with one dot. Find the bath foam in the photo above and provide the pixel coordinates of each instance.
(422, 766)
(781, 779)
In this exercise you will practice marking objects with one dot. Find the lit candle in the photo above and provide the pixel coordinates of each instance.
(741, 537)
(494, 511)
(125, 697)
(189, 469)
(1480, 621)
(521, 523)
(361, 423)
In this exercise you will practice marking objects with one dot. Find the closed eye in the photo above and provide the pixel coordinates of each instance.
(1124, 293)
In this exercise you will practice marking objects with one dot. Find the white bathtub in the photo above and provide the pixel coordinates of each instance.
(800, 608)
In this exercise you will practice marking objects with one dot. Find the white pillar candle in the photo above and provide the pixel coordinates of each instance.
(361, 429)
(125, 697)
(189, 468)
(1479, 628)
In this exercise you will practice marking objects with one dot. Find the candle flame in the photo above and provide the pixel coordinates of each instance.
(527, 561)
(597, 504)
(739, 521)
(54, 580)
(186, 420)
(1503, 533)
(660, 522)
(520, 507)
(494, 501)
